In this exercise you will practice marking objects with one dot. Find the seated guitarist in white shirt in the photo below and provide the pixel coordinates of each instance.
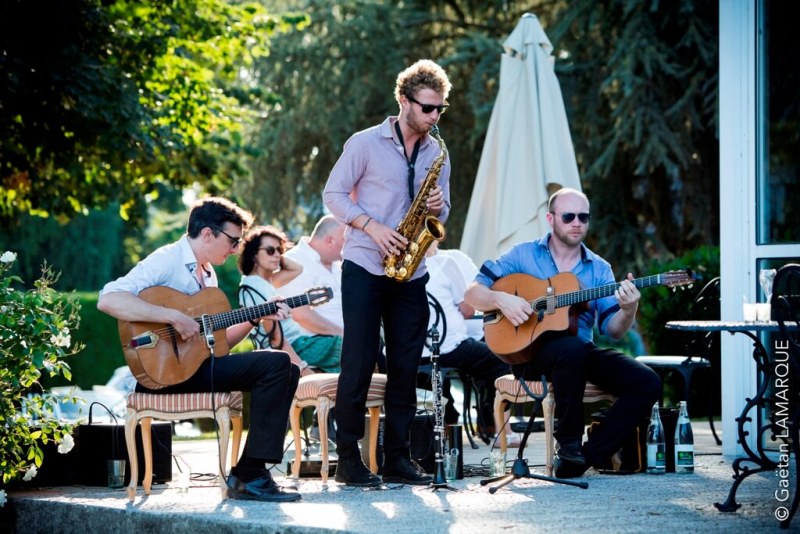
(214, 232)
(569, 361)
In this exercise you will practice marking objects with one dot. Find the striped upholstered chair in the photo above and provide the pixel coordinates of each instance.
(509, 390)
(319, 390)
(225, 407)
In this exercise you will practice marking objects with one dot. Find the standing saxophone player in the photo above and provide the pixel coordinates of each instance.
(372, 187)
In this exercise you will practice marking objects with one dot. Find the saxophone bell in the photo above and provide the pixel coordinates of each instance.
(417, 226)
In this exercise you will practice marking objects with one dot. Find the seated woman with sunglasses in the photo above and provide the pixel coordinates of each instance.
(264, 267)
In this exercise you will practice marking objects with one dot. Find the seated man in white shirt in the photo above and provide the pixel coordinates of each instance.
(457, 349)
(320, 255)
(468, 271)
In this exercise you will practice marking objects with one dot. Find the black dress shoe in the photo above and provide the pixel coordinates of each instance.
(260, 489)
(406, 471)
(350, 470)
(570, 461)
(564, 468)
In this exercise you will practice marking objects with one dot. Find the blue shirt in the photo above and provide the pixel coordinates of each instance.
(533, 258)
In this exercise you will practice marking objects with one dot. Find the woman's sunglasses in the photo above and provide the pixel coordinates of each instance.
(272, 250)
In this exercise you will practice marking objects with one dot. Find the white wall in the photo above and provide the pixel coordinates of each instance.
(737, 82)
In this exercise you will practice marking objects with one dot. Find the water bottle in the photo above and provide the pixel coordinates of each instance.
(684, 442)
(656, 445)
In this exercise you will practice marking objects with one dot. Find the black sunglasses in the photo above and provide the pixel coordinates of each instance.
(272, 250)
(569, 217)
(234, 240)
(428, 108)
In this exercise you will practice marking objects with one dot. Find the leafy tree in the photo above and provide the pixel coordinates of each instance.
(337, 77)
(639, 80)
(641, 83)
(122, 95)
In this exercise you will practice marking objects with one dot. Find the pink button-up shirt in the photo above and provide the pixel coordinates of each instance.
(371, 177)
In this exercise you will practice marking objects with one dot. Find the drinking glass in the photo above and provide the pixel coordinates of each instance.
(765, 278)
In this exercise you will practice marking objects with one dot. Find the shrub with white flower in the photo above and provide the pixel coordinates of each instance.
(35, 326)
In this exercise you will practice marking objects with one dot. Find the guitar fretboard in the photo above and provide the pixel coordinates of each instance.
(220, 321)
(585, 295)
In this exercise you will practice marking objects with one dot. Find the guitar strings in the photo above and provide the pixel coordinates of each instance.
(240, 315)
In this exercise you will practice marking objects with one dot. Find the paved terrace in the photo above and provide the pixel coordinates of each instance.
(612, 503)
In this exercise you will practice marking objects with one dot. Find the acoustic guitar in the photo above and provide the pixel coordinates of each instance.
(555, 309)
(155, 352)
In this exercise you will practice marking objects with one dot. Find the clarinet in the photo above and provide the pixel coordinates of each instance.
(439, 479)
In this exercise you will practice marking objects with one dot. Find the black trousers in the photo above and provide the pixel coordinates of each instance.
(478, 361)
(568, 362)
(271, 380)
(402, 307)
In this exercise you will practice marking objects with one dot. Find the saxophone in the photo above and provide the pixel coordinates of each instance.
(419, 228)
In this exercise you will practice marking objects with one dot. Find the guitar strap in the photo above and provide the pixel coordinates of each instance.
(485, 271)
(259, 337)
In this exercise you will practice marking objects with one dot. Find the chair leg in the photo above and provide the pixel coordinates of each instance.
(131, 420)
(236, 422)
(147, 445)
(500, 423)
(294, 420)
(374, 420)
(548, 408)
(224, 425)
(466, 384)
(323, 410)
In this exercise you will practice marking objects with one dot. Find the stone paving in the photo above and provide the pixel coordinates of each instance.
(612, 503)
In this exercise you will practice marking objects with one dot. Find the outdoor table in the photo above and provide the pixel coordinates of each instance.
(766, 375)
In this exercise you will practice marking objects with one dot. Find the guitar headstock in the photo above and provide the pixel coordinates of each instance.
(675, 279)
(319, 295)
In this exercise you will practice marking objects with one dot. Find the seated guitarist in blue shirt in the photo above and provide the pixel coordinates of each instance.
(566, 356)
(183, 271)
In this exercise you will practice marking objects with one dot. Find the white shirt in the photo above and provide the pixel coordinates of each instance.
(315, 275)
(447, 286)
(469, 271)
(291, 330)
(172, 265)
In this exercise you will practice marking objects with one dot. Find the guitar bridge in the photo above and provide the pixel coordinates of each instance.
(147, 340)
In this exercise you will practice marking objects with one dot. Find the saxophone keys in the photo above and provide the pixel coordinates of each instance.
(402, 272)
(414, 247)
(390, 272)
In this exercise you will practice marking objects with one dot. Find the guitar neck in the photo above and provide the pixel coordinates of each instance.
(220, 321)
(585, 295)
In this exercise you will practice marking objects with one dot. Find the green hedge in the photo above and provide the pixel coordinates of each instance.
(660, 304)
(102, 352)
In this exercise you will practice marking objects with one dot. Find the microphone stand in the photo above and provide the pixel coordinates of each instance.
(520, 467)
(439, 479)
(211, 341)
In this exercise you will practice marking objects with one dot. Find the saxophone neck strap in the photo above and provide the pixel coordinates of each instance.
(411, 161)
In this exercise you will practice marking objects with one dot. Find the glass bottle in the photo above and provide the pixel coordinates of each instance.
(656, 444)
(684, 442)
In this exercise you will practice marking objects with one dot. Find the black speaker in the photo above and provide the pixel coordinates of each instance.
(423, 449)
(421, 443)
(97, 443)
